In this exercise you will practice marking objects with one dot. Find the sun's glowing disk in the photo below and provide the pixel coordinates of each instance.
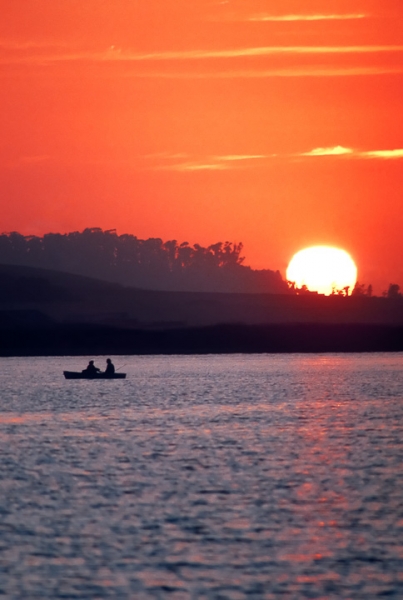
(322, 269)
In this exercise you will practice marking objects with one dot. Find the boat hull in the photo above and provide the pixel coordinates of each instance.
(80, 375)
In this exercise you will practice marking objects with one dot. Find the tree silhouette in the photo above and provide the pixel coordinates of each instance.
(393, 291)
(360, 290)
(150, 263)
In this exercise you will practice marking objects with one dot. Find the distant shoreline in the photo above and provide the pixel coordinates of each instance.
(54, 314)
(74, 340)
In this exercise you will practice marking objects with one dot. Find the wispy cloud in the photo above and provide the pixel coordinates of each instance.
(312, 17)
(314, 71)
(227, 63)
(192, 167)
(209, 163)
(182, 162)
(115, 54)
(397, 153)
(118, 54)
(332, 151)
(228, 162)
(342, 151)
(240, 157)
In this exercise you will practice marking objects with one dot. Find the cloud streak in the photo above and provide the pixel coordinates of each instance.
(332, 151)
(172, 64)
(240, 157)
(313, 17)
(115, 54)
(211, 163)
(181, 162)
(385, 154)
(248, 161)
(314, 71)
(335, 151)
(193, 167)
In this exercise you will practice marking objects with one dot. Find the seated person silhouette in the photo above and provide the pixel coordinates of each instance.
(110, 369)
(91, 369)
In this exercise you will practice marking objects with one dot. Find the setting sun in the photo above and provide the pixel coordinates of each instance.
(322, 269)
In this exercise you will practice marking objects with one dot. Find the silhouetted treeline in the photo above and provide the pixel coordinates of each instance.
(149, 264)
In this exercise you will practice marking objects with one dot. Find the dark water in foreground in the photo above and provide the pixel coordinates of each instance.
(214, 477)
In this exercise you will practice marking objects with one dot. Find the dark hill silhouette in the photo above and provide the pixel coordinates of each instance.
(68, 298)
(44, 312)
(147, 264)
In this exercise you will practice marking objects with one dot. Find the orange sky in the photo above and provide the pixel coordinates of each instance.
(278, 124)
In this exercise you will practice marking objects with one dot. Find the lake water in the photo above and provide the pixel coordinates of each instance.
(203, 477)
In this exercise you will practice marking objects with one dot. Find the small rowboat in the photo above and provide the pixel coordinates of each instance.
(80, 375)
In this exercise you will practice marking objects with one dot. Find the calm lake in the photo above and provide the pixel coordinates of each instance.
(203, 477)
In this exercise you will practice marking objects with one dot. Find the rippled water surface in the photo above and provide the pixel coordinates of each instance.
(215, 477)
